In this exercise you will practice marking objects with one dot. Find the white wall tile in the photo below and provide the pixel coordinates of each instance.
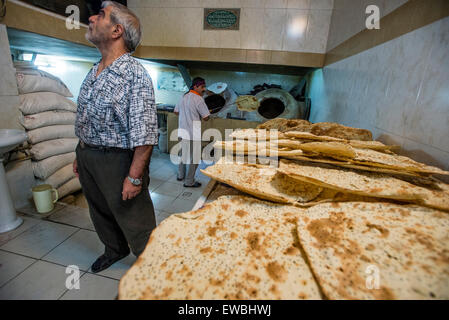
(153, 22)
(322, 4)
(210, 39)
(318, 30)
(251, 24)
(296, 30)
(299, 4)
(274, 29)
(278, 4)
(230, 39)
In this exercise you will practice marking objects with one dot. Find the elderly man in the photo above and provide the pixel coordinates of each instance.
(117, 126)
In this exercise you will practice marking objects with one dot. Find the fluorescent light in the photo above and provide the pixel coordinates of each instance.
(27, 56)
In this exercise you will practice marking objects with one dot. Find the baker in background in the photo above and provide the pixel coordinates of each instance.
(116, 123)
(191, 110)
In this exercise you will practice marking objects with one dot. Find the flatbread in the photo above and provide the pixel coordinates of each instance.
(337, 130)
(374, 145)
(263, 182)
(329, 149)
(397, 162)
(232, 248)
(285, 125)
(256, 134)
(310, 136)
(349, 244)
(347, 164)
(351, 181)
(247, 103)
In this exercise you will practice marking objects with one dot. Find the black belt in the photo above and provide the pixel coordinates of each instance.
(84, 145)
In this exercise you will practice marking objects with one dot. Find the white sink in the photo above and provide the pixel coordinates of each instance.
(9, 139)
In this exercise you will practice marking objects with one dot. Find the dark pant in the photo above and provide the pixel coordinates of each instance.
(117, 222)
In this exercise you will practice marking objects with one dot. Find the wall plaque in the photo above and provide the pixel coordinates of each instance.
(221, 19)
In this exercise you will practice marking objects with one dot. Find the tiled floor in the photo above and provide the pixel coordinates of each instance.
(35, 256)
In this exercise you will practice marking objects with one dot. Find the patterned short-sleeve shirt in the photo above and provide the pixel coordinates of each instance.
(117, 108)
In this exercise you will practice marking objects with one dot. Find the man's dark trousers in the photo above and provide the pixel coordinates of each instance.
(117, 222)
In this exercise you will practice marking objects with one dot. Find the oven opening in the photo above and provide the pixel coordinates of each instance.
(215, 102)
(271, 108)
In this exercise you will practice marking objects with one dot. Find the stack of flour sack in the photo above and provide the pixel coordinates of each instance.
(49, 118)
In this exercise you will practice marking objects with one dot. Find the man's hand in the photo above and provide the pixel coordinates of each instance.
(129, 190)
(75, 168)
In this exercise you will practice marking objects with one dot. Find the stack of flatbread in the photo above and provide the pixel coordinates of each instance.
(232, 248)
(337, 216)
(241, 248)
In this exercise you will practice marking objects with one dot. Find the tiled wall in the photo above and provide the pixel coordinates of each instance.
(349, 17)
(284, 25)
(399, 90)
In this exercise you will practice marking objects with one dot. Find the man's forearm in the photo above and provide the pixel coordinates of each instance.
(141, 159)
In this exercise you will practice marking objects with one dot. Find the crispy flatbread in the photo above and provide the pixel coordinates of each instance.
(262, 182)
(397, 162)
(285, 125)
(232, 248)
(247, 103)
(351, 245)
(310, 136)
(333, 149)
(374, 145)
(351, 181)
(347, 164)
(256, 134)
(337, 130)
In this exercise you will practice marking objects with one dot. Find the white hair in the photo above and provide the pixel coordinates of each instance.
(120, 14)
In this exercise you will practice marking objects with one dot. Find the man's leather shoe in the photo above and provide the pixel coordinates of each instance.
(195, 185)
(104, 262)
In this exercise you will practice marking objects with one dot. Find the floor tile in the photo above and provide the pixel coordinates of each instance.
(118, 269)
(93, 287)
(165, 172)
(11, 265)
(161, 201)
(73, 216)
(192, 194)
(40, 239)
(180, 205)
(154, 183)
(41, 281)
(161, 216)
(170, 189)
(81, 249)
(173, 179)
(26, 224)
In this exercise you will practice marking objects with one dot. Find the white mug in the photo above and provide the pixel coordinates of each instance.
(42, 196)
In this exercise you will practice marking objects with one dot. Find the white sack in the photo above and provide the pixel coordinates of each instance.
(31, 69)
(49, 148)
(32, 103)
(45, 168)
(60, 177)
(69, 187)
(27, 83)
(47, 118)
(51, 132)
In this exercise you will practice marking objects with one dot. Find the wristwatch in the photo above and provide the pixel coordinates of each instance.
(136, 182)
